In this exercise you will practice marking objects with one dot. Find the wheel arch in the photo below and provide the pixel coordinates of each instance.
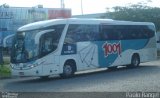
(73, 61)
(136, 54)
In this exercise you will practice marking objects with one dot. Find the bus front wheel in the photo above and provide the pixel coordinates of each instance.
(68, 70)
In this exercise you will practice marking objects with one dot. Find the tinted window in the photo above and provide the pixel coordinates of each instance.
(81, 32)
(124, 32)
(112, 32)
(49, 40)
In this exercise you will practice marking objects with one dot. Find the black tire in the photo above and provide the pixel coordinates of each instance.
(68, 70)
(112, 68)
(44, 77)
(135, 61)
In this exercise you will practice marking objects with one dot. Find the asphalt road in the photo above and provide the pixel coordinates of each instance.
(145, 78)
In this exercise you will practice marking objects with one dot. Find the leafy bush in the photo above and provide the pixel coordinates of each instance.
(4, 71)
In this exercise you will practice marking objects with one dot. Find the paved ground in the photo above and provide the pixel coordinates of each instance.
(144, 78)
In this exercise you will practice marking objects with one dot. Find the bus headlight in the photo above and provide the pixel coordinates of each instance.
(23, 66)
(33, 65)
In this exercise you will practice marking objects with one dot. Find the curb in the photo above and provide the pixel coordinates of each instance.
(8, 77)
(5, 77)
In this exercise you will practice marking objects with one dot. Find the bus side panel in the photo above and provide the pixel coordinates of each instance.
(108, 53)
(115, 52)
(50, 65)
(87, 53)
(150, 50)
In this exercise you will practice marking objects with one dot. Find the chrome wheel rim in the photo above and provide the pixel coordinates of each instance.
(135, 62)
(68, 70)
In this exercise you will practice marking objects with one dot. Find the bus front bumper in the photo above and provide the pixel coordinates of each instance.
(35, 71)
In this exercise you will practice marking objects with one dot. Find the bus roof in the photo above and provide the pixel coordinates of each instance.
(46, 23)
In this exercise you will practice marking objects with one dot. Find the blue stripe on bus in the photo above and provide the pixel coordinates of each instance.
(106, 59)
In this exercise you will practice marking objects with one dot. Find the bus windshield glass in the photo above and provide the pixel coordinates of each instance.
(26, 48)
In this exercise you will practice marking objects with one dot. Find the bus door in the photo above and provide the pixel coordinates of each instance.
(48, 44)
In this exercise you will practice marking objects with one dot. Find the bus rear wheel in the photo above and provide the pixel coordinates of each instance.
(135, 61)
(68, 70)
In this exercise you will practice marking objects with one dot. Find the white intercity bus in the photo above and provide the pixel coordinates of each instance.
(65, 46)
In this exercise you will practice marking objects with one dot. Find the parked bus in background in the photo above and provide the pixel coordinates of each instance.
(65, 46)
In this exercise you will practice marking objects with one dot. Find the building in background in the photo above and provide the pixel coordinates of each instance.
(11, 18)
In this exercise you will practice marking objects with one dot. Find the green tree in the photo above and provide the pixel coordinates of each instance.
(137, 12)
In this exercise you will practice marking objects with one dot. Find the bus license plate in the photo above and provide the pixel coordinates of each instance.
(21, 73)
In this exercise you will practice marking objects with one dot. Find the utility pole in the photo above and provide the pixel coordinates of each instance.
(81, 7)
(62, 4)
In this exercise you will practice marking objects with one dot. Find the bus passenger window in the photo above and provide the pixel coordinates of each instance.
(120, 36)
(70, 37)
(48, 43)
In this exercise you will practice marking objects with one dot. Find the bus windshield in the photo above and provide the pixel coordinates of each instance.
(31, 45)
(25, 48)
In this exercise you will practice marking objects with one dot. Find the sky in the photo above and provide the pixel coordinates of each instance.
(89, 6)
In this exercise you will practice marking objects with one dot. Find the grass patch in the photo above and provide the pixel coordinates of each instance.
(5, 71)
